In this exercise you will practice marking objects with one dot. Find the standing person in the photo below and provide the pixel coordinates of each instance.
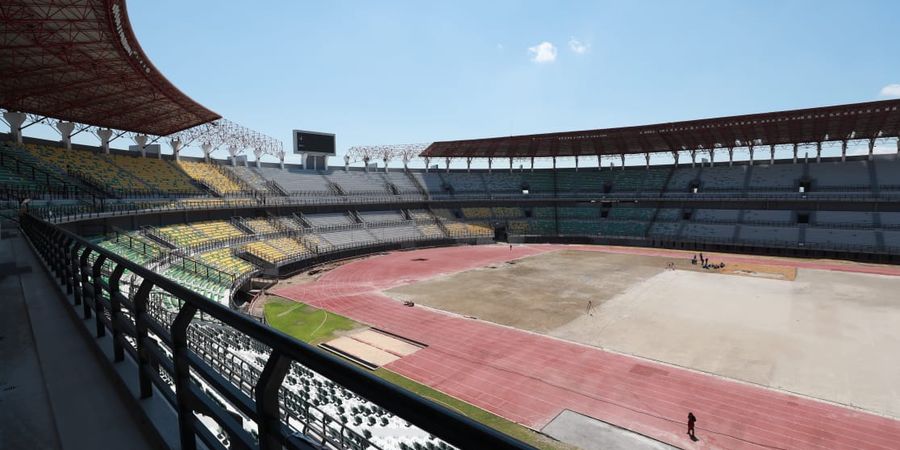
(510, 247)
(590, 308)
(691, 420)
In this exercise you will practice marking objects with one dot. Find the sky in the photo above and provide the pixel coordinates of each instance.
(420, 71)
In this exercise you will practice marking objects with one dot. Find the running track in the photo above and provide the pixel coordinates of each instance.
(530, 378)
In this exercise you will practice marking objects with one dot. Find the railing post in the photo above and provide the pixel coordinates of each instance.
(72, 265)
(268, 419)
(182, 376)
(115, 311)
(140, 325)
(83, 269)
(97, 274)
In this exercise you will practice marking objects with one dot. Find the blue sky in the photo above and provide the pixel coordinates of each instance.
(419, 71)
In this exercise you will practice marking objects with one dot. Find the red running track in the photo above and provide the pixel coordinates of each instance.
(530, 378)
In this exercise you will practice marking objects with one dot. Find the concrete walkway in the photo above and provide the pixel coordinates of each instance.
(55, 392)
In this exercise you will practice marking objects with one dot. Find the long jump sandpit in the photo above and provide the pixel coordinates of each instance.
(531, 378)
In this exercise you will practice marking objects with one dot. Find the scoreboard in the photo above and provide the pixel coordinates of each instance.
(313, 142)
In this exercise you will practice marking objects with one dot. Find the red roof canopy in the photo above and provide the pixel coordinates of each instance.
(78, 60)
(853, 121)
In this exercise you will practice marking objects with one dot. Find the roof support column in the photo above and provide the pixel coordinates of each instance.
(207, 149)
(469, 164)
(819, 151)
(771, 154)
(532, 159)
(675, 156)
(406, 163)
(599, 162)
(232, 154)
(490, 165)
(280, 159)
(447, 160)
(141, 141)
(623, 161)
(427, 163)
(712, 157)
(576, 163)
(65, 130)
(554, 163)
(898, 146)
(693, 158)
(346, 163)
(795, 152)
(751, 154)
(730, 156)
(365, 163)
(385, 159)
(844, 150)
(510, 164)
(177, 145)
(15, 120)
(647, 159)
(257, 153)
(871, 148)
(104, 134)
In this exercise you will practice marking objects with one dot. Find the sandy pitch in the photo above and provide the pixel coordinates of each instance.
(829, 335)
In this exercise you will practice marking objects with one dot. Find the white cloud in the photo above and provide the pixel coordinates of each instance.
(543, 53)
(891, 90)
(578, 47)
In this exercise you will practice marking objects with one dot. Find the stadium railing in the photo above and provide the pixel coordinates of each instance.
(135, 331)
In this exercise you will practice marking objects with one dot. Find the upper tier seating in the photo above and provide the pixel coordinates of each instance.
(275, 250)
(586, 180)
(723, 178)
(160, 175)
(668, 214)
(306, 181)
(196, 233)
(503, 181)
(250, 177)
(891, 240)
(704, 231)
(887, 172)
(581, 213)
(579, 227)
(380, 216)
(402, 181)
(225, 261)
(782, 176)
(346, 237)
(850, 174)
(716, 215)
(759, 233)
(890, 219)
(840, 238)
(464, 182)
(682, 178)
(477, 213)
(211, 176)
(431, 181)
(625, 213)
(844, 218)
(768, 216)
(538, 182)
(664, 229)
(98, 168)
(260, 226)
(623, 228)
(508, 212)
(359, 182)
(640, 179)
(397, 232)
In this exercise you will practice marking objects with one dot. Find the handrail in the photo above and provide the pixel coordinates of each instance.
(67, 256)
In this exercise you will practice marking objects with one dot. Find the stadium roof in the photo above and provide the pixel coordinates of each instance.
(830, 123)
(80, 61)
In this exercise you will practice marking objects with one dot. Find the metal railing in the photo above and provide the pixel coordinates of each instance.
(135, 331)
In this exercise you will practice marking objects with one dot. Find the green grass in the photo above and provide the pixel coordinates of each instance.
(305, 323)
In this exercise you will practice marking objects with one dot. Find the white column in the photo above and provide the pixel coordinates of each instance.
(468, 164)
(844, 150)
(599, 162)
(675, 156)
(141, 141)
(257, 153)
(623, 161)
(510, 165)
(232, 153)
(65, 130)
(280, 159)
(818, 152)
(693, 158)
(207, 149)
(771, 154)
(104, 134)
(490, 164)
(871, 148)
(647, 159)
(365, 163)
(447, 161)
(427, 163)
(176, 146)
(712, 157)
(15, 119)
(795, 152)
(730, 156)
(385, 164)
(751, 154)
(406, 163)
(554, 163)
(346, 163)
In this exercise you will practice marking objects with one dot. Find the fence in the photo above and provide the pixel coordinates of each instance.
(136, 332)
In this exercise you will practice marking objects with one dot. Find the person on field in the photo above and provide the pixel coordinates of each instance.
(691, 421)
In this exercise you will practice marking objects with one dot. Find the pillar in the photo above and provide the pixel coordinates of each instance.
(623, 161)
(693, 158)
(447, 160)
(898, 146)
(281, 159)
(406, 163)
(844, 150)
(468, 164)
(712, 157)
(771, 154)
(427, 163)
(365, 163)
(818, 151)
(730, 156)
(257, 153)
(795, 152)
(346, 163)
(532, 158)
(576, 163)
(104, 134)
(751, 154)
(554, 163)
(647, 159)
(385, 164)
(176, 146)
(599, 162)
(141, 141)
(207, 149)
(232, 153)
(675, 156)
(65, 130)
(871, 148)
(15, 119)
(510, 165)
(490, 164)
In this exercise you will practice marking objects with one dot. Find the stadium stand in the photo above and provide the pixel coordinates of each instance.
(212, 176)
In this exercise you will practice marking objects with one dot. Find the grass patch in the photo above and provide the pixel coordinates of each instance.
(304, 322)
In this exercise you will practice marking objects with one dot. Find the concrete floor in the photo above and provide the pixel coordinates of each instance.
(588, 433)
(829, 335)
(54, 391)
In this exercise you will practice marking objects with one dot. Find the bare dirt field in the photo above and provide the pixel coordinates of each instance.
(825, 334)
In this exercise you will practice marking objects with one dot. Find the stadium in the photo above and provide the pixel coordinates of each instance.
(575, 289)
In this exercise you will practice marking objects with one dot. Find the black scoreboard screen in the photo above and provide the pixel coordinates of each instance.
(313, 142)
